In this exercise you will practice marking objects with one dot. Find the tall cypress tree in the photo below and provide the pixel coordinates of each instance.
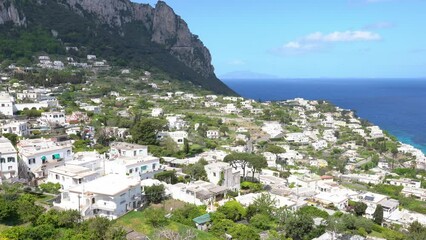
(378, 215)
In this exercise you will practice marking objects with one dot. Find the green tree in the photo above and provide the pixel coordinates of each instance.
(26, 208)
(264, 204)
(313, 212)
(261, 221)
(167, 176)
(256, 163)
(274, 149)
(233, 210)
(360, 208)
(297, 226)
(243, 232)
(222, 226)
(156, 217)
(146, 130)
(155, 193)
(416, 231)
(196, 171)
(188, 212)
(50, 187)
(12, 137)
(186, 147)
(378, 214)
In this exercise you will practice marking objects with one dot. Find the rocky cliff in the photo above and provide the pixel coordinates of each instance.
(162, 26)
(10, 13)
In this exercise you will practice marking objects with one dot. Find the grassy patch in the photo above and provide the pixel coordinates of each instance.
(137, 222)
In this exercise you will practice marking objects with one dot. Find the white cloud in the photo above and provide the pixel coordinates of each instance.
(347, 36)
(319, 41)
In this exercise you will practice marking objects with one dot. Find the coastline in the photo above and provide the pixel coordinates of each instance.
(387, 103)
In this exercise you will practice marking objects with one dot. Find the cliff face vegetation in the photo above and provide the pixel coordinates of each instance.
(129, 34)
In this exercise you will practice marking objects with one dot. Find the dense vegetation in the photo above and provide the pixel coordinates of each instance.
(133, 48)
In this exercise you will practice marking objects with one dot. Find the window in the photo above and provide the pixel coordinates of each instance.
(134, 153)
(10, 159)
(143, 168)
(79, 181)
(130, 170)
(153, 166)
(57, 176)
(214, 174)
(2, 160)
(9, 168)
(136, 169)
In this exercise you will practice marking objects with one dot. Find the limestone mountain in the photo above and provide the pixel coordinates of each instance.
(127, 33)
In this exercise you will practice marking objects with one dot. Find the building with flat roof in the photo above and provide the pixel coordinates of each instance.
(91, 160)
(198, 192)
(39, 155)
(8, 159)
(140, 166)
(6, 104)
(19, 128)
(127, 150)
(70, 176)
(110, 196)
(49, 118)
(337, 200)
(223, 174)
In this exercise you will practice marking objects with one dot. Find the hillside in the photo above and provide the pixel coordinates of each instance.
(125, 33)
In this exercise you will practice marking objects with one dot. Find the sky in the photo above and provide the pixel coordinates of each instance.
(311, 38)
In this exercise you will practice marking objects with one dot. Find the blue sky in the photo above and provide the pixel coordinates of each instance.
(311, 38)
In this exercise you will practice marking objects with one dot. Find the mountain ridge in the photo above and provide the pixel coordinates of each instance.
(155, 33)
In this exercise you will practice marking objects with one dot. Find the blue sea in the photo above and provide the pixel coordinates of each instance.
(396, 105)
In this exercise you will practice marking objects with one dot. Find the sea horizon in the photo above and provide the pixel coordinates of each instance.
(390, 103)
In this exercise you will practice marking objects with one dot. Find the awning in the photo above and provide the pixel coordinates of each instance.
(56, 156)
(202, 219)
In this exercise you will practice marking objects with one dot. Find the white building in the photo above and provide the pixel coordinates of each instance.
(376, 132)
(91, 160)
(177, 136)
(6, 104)
(8, 159)
(110, 196)
(142, 167)
(157, 112)
(176, 122)
(230, 109)
(28, 95)
(198, 192)
(406, 182)
(39, 155)
(337, 200)
(53, 118)
(273, 129)
(223, 174)
(297, 138)
(19, 128)
(213, 134)
(123, 149)
(70, 176)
